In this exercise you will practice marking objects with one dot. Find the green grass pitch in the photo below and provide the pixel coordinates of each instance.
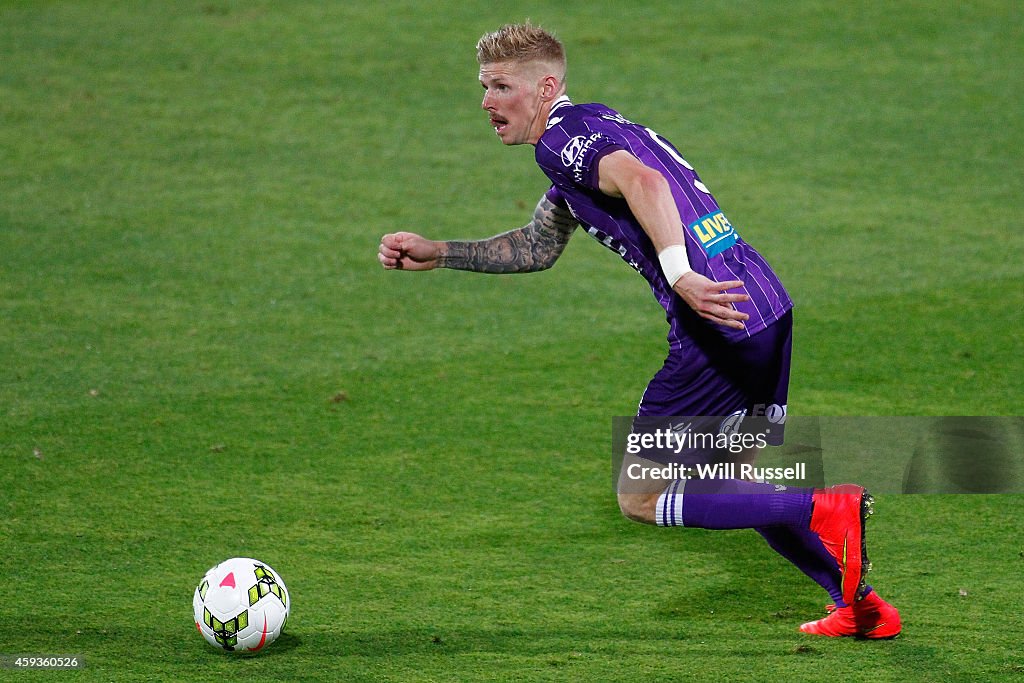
(203, 359)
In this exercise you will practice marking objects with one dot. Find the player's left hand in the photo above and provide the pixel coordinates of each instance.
(408, 251)
(710, 299)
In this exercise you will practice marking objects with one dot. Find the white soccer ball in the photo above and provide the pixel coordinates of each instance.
(241, 605)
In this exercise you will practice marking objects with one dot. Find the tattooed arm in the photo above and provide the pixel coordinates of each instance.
(535, 246)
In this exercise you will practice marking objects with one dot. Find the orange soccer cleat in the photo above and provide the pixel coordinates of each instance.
(838, 518)
(871, 617)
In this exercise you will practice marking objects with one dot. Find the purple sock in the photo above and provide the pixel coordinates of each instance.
(782, 517)
(733, 504)
(803, 548)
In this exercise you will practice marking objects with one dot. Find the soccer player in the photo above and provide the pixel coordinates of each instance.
(730, 319)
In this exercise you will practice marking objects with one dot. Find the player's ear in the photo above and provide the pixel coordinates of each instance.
(549, 88)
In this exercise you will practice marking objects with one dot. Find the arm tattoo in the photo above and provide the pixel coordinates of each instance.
(535, 246)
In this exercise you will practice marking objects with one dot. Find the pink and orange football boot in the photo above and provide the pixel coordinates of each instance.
(870, 617)
(838, 518)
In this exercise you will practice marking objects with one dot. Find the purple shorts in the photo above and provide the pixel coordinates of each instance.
(742, 386)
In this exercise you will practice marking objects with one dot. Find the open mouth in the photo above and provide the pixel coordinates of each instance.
(498, 123)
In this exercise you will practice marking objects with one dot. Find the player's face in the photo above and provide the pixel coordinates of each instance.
(514, 102)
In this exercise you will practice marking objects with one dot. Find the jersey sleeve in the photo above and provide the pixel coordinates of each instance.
(572, 157)
(554, 195)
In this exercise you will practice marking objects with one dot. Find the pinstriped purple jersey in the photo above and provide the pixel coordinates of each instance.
(568, 152)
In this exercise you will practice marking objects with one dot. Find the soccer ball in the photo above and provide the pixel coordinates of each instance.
(241, 605)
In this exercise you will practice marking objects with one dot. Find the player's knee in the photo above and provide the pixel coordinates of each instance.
(639, 507)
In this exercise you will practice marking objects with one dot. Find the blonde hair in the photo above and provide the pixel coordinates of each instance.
(521, 43)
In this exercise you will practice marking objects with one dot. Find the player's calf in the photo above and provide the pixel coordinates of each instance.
(639, 507)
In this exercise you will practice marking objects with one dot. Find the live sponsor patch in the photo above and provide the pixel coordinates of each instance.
(714, 232)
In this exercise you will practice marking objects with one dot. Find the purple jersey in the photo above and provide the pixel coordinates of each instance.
(576, 139)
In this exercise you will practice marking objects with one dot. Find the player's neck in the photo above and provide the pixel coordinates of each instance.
(542, 121)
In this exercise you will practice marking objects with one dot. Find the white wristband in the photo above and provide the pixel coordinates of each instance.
(674, 263)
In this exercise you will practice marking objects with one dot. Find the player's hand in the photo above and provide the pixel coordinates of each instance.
(408, 251)
(711, 300)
